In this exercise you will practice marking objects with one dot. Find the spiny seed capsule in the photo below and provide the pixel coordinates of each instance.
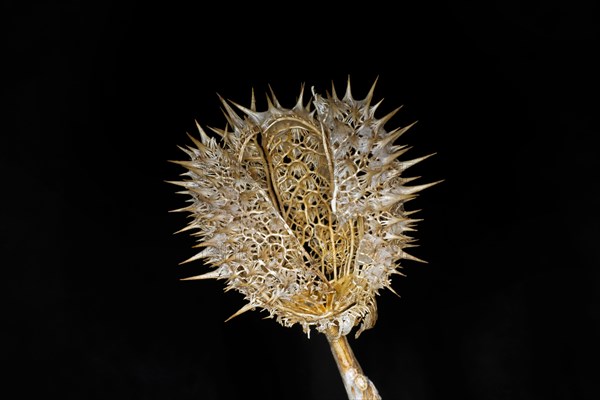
(302, 210)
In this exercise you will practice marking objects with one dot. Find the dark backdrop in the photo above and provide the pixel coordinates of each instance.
(98, 95)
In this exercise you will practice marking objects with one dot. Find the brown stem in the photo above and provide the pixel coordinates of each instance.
(358, 386)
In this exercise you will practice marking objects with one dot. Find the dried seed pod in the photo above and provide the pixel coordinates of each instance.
(302, 210)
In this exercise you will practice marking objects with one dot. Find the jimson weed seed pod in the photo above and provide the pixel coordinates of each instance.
(302, 211)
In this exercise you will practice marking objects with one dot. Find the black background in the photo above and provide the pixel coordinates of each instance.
(98, 95)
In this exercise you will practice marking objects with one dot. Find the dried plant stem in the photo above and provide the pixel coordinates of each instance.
(357, 385)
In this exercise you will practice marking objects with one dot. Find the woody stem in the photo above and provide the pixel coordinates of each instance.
(358, 386)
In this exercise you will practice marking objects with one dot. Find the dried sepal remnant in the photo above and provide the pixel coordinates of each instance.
(302, 210)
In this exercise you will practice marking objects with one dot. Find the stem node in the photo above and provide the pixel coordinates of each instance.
(358, 386)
